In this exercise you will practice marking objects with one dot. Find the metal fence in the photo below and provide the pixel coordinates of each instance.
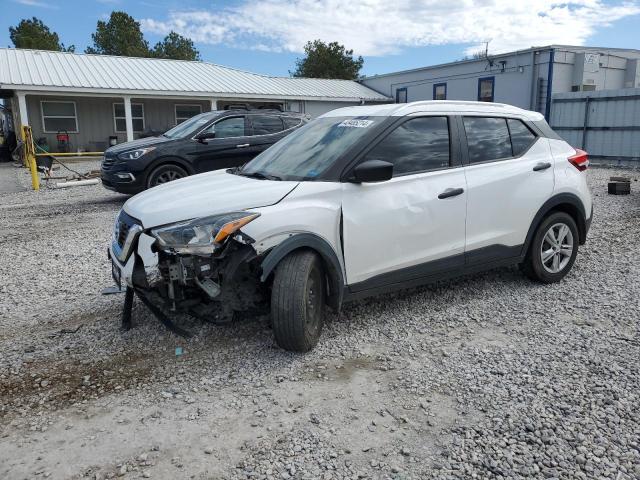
(605, 123)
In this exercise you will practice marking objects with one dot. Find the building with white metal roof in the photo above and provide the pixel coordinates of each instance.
(94, 97)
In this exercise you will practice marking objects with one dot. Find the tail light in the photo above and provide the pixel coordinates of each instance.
(580, 160)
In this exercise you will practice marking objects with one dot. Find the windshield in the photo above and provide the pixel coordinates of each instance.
(189, 127)
(309, 151)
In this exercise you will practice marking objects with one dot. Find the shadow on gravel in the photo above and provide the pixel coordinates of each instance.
(54, 385)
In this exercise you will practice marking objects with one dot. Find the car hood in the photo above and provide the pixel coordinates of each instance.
(140, 143)
(202, 195)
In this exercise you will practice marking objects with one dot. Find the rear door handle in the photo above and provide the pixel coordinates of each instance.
(451, 192)
(541, 166)
(243, 145)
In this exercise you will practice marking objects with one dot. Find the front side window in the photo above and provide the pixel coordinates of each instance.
(418, 145)
(312, 149)
(521, 136)
(486, 89)
(57, 116)
(266, 124)
(137, 117)
(487, 139)
(229, 127)
(185, 112)
(440, 91)
(189, 127)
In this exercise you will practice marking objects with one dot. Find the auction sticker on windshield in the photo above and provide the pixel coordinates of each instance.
(356, 123)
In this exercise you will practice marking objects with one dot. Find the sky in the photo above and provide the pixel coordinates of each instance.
(268, 36)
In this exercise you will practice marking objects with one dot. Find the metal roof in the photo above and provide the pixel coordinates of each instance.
(41, 70)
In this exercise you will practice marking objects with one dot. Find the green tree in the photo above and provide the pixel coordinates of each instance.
(328, 60)
(176, 47)
(121, 35)
(35, 34)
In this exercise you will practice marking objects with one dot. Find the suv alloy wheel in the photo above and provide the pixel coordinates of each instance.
(553, 249)
(165, 174)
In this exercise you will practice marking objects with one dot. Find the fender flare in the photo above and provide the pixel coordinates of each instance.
(561, 199)
(326, 252)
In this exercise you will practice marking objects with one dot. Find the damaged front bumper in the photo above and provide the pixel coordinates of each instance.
(209, 286)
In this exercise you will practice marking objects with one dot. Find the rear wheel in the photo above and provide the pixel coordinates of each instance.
(553, 249)
(165, 174)
(298, 301)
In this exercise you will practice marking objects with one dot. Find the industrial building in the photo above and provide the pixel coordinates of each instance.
(525, 78)
(87, 101)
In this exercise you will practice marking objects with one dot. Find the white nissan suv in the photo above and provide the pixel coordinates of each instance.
(360, 201)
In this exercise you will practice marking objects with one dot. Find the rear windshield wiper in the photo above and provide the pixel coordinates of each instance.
(259, 175)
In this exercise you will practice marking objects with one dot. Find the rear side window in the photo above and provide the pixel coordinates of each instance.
(266, 124)
(487, 139)
(521, 136)
(415, 146)
(290, 122)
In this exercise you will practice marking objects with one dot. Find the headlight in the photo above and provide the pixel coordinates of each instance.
(134, 154)
(202, 235)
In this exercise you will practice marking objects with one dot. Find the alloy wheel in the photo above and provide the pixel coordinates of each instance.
(168, 176)
(557, 248)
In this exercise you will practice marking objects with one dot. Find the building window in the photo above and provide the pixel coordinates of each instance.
(57, 116)
(185, 112)
(440, 91)
(486, 87)
(401, 95)
(137, 116)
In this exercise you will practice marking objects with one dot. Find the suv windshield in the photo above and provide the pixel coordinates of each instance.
(309, 151)
(189, 127)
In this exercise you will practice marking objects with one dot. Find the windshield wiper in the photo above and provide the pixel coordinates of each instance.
(259, 175)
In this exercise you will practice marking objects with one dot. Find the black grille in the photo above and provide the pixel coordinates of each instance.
(125, 222)
(108, 163)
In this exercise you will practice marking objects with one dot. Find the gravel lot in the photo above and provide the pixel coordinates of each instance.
(489, 376)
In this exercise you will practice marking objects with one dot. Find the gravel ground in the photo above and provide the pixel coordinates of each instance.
(489, 376)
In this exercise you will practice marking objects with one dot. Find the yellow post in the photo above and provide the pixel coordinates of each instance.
(30, 156)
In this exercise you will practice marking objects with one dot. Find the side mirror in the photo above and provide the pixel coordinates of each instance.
(373, 171)
(204, 136)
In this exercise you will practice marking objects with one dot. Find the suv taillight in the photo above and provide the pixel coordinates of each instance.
(580, 160)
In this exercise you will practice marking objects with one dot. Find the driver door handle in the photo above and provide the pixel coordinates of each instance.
(243, 145)
(451, 192)
(541, 166)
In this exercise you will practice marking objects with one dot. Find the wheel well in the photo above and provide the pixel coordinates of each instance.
(169, 161)
(332, 271)
(577, 216)
(564, 202)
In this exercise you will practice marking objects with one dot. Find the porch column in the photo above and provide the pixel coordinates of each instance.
(128, 118)
(22, 110)
(214, 104)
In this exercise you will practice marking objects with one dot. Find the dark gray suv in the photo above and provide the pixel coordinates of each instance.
(209, 141)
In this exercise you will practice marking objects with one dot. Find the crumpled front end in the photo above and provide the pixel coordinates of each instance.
(175, 270)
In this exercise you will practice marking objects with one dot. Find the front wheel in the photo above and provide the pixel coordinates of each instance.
(553, 249)
(165, 174)
(298, 301)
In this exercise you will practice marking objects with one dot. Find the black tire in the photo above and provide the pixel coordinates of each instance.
(298, 301)
(164, 174)
(533, 265)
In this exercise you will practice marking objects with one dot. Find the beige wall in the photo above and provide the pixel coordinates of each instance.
(95, 119)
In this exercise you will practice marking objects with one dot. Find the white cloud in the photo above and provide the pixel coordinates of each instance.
(378, 28)
(36, 3)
